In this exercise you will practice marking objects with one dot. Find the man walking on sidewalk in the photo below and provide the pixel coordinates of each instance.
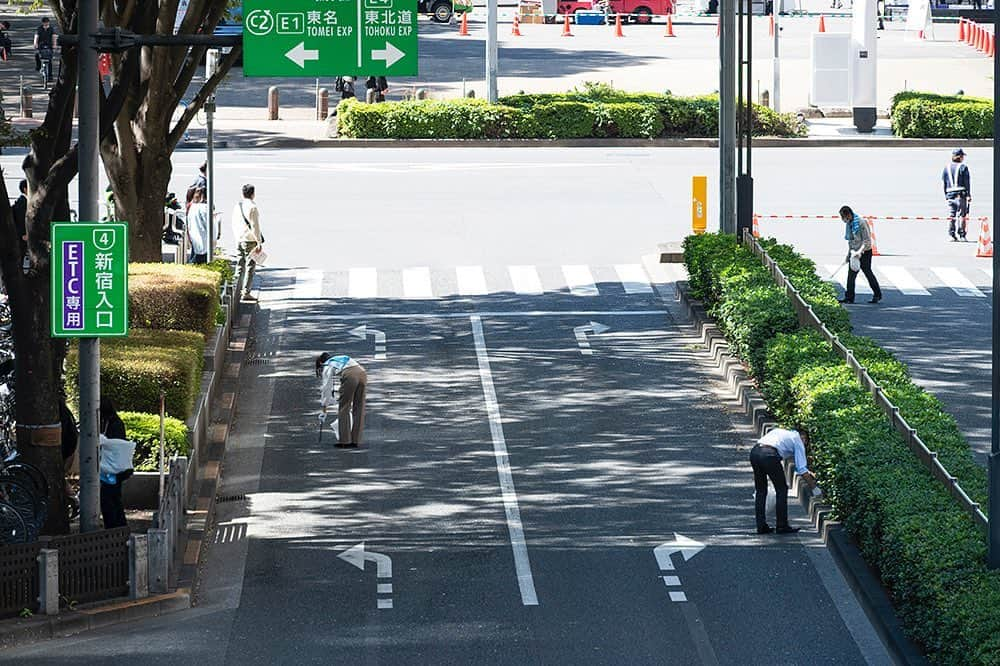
(766, 460)
(249, 239)
(957, 193)
(351, 403)
(859, 254)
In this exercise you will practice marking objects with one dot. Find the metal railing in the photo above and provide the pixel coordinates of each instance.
(929, 458)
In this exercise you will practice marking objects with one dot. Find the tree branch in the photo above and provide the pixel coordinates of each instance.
(199, 99)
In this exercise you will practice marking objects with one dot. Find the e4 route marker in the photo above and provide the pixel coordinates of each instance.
(313, 38)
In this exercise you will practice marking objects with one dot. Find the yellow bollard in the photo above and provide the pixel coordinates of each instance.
(699, 204)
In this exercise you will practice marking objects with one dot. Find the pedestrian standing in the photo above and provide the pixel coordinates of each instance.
(957, 194)
(859, 254)
(6, 45)
(20, 213)
(200, 183)
(345, 86)
(197, 228)
(377, 87)
(249, 239)
(351, 401)
(116, 465)
(766, 460)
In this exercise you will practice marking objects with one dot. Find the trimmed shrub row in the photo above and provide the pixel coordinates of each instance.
(144, 430)
(595, 112)
(173, 296)
(927, 550)
(926, 115)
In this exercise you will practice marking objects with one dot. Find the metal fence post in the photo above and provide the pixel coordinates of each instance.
(138, 566)
(48, 581)
(159, 561)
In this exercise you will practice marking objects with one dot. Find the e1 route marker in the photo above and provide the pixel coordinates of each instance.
(318, 38)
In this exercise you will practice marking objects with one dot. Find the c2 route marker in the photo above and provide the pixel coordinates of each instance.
(364, 332)
(315, 38)
(688, 548)
(89, 280)
(581, 335)
(357, 555)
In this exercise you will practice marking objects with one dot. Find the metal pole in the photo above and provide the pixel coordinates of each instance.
(492, 92)
(90, 348)
(211, 67)
(993, 551)
(776, 92)
(727, 116)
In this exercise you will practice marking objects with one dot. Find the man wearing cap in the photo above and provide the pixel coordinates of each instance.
(766, 460)
(958, 194)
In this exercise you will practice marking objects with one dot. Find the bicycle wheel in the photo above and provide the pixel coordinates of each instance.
(12, 527)
(26, 474)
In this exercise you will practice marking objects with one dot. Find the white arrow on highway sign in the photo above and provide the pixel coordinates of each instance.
(363, 332)
(681, 544)
(390, 54)
(300, 55)
(581, 335)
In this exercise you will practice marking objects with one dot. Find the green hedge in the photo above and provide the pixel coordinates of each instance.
(136, 368)
(928, 551)
(144, 430)
(173, 296)
(594, 112)
(926, 115)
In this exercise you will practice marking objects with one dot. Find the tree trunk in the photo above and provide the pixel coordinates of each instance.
(141, 190)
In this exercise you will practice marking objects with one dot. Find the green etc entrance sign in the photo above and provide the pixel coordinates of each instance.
(89, 280)
(314, 38)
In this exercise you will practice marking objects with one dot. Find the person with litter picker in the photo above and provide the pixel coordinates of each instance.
(859, 254)
(351, 402)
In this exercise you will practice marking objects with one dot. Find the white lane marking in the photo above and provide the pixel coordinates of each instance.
(362, 283)
(522, 564)
(384, 588)
(471, 281)
(958, 283)
(308, 284)
(860, 284)
(671, 580)
(384, 604)
(499, 313)
(580, 281)
(678, 596)
(634, 279)
(417, 283)
(903, 280)
(526, 280)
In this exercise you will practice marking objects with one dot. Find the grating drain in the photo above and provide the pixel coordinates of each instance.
(230, 498)
(259, 361)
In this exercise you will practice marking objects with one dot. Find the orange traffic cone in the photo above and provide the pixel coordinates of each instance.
(961, 30)
(770, 25)
(822, 24)
(992, 47)
(970, 33)
(980, 39)
(670, 27)
(920, 34)
(566, 32)
(464, 30)
(985, 248)
(515, 30)
(756, 226)
(618, 26)
(871, 229)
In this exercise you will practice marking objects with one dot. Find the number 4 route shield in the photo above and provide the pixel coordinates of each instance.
(89, 280)
(313, 38)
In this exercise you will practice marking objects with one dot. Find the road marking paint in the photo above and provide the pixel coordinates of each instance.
(526, 280)
(495, 313)
(672, 580)
(384, 588)
(580, 281)
(471, 280)
(362, 283)
(522, 564)
(958, 283)
(417, 283)
(678, 596)
(634, 279)
(860, 285)
(383, 604)
(903, 280)
(308, 284)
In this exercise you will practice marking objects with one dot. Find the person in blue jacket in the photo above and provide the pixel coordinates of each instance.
(351, 402)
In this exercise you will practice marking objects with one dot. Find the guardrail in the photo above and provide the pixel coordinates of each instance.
(929, 458)
(167, 524)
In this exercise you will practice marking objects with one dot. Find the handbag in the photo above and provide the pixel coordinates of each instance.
(258, 256)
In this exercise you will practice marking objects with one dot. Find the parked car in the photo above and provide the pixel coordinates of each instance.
(639, 11)
(439, 10)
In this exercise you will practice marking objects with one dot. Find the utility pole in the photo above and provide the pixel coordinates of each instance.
(492, 92)
(993, 551)
(727, 116)
(211, 67)
(776, 92)
(744, 145)
(90, 348)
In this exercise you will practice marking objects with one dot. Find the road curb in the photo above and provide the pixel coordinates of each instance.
(862, 580)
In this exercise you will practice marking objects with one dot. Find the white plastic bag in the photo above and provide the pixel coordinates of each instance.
(855, 262)
(116, 455)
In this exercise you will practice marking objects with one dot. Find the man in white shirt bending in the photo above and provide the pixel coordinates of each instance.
(766, 459)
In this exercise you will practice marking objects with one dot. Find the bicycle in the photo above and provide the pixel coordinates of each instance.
(45, 58)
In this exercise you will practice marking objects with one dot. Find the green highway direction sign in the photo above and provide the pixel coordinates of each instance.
(89, 280)
(314, 38)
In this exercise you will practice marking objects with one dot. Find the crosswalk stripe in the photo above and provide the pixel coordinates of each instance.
(525, 280)
(634, 279)
(471, 280)
(903, 280)
(580, 281)
(308, 284)
(860, 285)
(957, 282)
(417, 283)
(362, 283)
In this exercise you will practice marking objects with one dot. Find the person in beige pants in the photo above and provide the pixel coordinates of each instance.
(351, 401)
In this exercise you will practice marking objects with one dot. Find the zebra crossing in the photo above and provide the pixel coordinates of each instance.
(966, 282)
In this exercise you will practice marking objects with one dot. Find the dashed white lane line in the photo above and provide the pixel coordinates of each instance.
(958, 283)
(525, 280)
(362, 283)
(903, 280)
(417, 283)
(580, 281)
(308, 284)
(634, 279)
(471, 280)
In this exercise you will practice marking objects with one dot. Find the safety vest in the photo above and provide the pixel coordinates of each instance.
(953, 186)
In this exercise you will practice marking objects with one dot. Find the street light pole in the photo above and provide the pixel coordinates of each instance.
(90, 348)
(492, 91)
(993, 551)
(727, 116)
(211, 67)
(776, 93)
